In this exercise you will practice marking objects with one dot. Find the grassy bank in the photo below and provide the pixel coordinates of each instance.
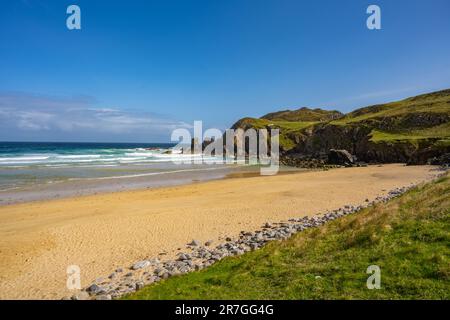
(408, 238)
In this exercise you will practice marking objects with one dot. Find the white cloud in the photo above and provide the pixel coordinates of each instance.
(26, 112)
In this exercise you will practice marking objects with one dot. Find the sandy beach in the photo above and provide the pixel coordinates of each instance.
(99, 233)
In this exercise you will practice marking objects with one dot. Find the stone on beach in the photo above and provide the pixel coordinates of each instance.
(95, 289)
(141, 264)
(194, 243)
(82, 295)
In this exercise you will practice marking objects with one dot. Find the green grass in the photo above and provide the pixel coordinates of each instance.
(287, 128)
(409, 238)
(284, 125)
(303, 114)
(436, 102)
(437, 132)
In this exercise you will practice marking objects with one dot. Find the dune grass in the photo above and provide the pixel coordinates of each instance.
(408, 238)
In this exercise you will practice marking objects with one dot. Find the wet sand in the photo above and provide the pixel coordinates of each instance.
(99, 233)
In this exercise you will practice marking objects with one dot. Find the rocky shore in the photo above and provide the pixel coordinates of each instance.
(198, 256)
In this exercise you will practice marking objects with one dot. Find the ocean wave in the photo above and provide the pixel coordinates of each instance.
(22, 159)
(79, 156)
(119, 157)
(148, 174)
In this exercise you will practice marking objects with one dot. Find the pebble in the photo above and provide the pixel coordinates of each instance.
(82, 295)
(194, 243)
(139, 285)
(95, 289)
(141, 265)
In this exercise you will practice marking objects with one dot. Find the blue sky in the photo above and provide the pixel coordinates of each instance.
(138, 69)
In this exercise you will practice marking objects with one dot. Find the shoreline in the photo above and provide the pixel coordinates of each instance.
(76, 187)
(103, 232)
(73, 188)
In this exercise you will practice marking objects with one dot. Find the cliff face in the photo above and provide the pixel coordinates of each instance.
(412, 130)
(357, 140)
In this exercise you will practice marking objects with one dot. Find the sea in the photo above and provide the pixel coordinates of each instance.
(38, 170)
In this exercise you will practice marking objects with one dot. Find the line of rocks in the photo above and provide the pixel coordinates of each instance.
(200, 256)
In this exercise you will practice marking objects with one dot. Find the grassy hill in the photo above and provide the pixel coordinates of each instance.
(411, 130)
(290, 123)
(304, 114)
(431, 103)
(408, 238)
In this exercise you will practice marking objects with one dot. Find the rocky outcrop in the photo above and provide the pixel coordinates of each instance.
(340, 157)
(356, 139)
(443, 160)
(412, 131)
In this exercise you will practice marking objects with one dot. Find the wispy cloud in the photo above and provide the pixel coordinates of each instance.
(78, 116)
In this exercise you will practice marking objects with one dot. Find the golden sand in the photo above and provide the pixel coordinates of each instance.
(99, 233)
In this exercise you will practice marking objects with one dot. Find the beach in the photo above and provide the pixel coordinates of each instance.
(103, 232)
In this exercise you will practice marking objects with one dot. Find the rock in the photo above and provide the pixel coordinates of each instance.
(340, 157)
(442, 160)
(95, 289)
(194, 243)
(208, 243)
(119, 270)
(228, 239)
(104, 297)
(141, 265)
(82, 295)
(182, 257)
(139, 285)
(159, 271)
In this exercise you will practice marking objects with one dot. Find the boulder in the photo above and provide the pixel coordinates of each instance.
(443, 160)
(340, 157)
